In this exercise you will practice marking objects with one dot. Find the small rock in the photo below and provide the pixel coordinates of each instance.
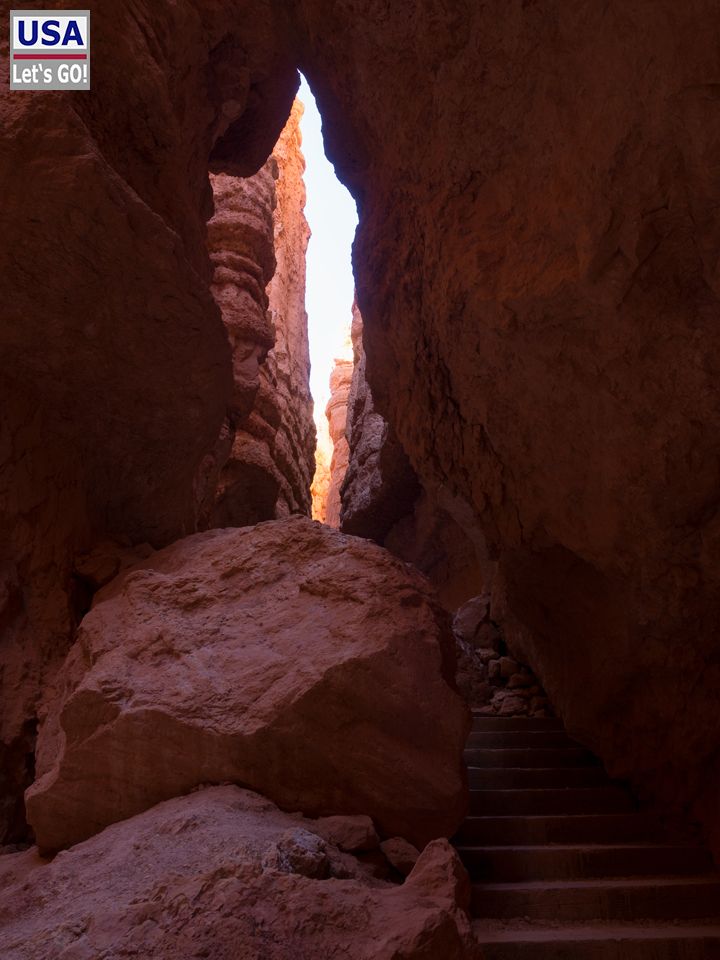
(400, 854)
(439, 868)
(513, 705)
(494, 670)
(349, 833)
(470, 616)
(298, 851)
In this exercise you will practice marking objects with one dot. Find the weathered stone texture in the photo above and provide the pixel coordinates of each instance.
(288, 364)
(382, 498)
(321, 479)
(380, 486)
(336, 413)
(286, 657)
(258, 238)
(537, 270)
(116, 371)
(222, 873)
(491, 681)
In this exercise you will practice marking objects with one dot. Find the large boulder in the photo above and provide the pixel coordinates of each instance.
(311, 666)
(223, 874)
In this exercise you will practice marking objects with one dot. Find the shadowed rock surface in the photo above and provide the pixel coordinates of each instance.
(116, 375)
(382, 498)
(537, 270)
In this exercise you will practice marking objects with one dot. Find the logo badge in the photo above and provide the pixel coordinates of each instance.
(49, 49)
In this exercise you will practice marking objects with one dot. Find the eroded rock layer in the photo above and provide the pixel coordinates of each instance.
(379, 485)
(321, 479)
(258, 238)
(336, 413)
(288, 364)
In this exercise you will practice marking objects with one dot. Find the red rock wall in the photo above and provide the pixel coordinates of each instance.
(380, 486)
(116, 372)
(321, 479)
(337, 414)
(537, 269)
(382, 498)
(288, 365)
(258, 237)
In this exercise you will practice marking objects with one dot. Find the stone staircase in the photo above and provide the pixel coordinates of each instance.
(563, 865)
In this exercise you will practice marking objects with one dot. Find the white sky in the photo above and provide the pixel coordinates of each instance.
(332, 215)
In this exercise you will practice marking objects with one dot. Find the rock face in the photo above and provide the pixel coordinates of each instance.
(288, 364)
(539, 220)
(258, 238)
(285, 657)
(379, 485)
(382, 497)
(336, 413)
(116, 371)
(222, 873)
(537, 269)
(321, 479)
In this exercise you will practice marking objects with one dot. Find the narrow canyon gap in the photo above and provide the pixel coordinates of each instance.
(533, 408)
(332, 218)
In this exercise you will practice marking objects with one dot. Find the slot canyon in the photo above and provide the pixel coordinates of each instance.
(441, 679)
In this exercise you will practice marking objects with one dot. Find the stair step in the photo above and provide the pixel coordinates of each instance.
(493, 724)
(485, 778)
(520, 738)
(578, 828)
(648, 898)
(520, 940)
(530, 757)
(501, 864)
(568, 800)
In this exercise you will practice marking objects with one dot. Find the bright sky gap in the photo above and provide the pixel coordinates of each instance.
(332, 215)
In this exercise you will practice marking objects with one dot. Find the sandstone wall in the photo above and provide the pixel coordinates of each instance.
(382, 498)
(258, 239)
(380, 486)
(321, 480)
(288, 365)
(337, 414)
(537, 270)
(116, 372)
